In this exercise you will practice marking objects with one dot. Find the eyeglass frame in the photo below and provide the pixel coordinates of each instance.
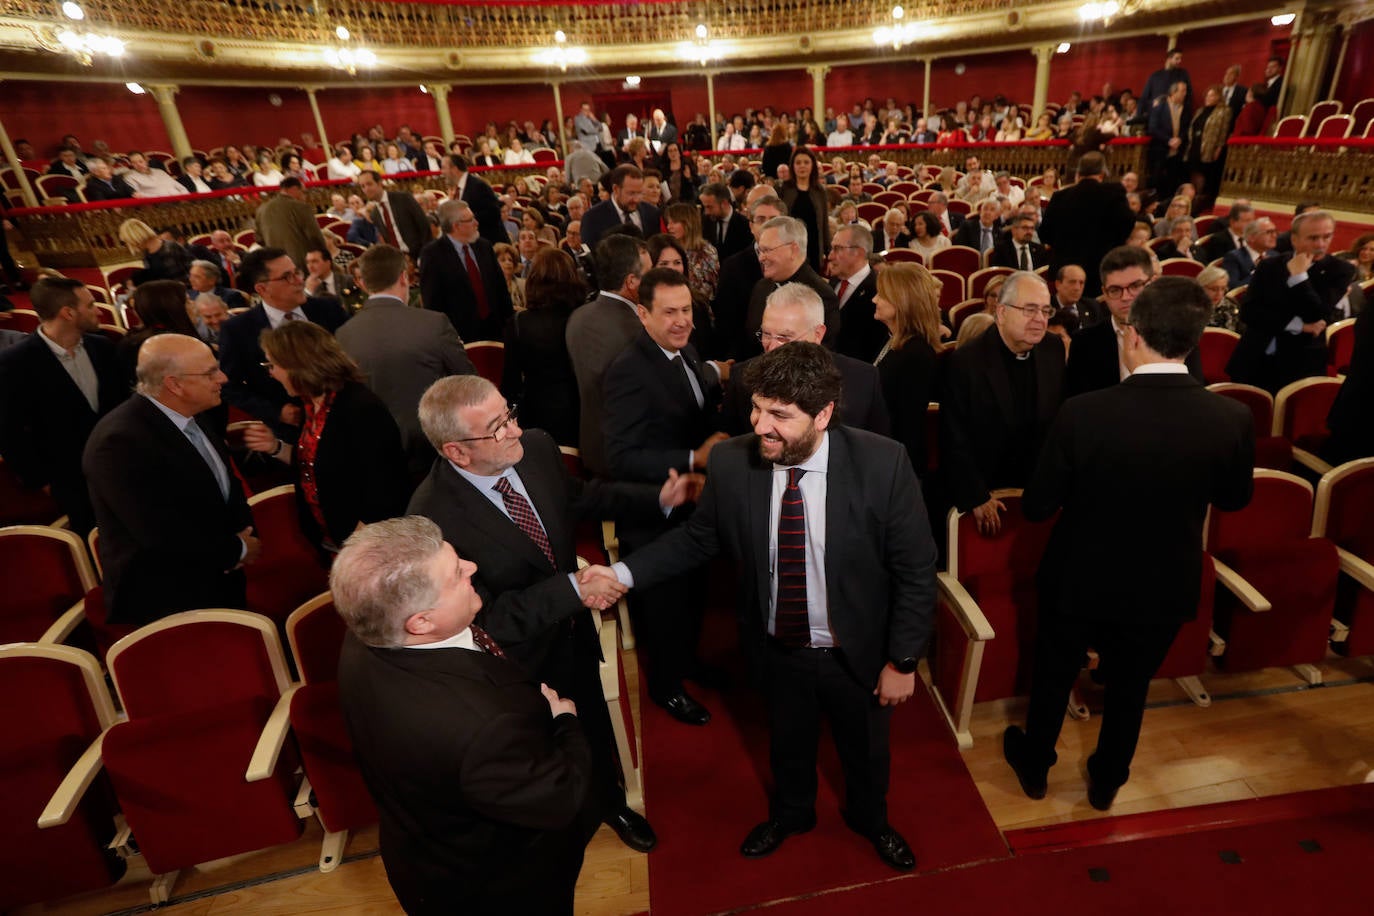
(761, 251)
(294, 275)
(1135, 288)
(1030, 311)
(207, 374)
(502, 430)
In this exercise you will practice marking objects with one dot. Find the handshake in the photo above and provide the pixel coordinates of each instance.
(599, 588)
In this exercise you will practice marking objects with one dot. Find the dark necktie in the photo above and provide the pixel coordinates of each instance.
(791, 623)
(986, 242)
(524, 518)
(479, 291)
(1025, 258)
(629, 221)
(844, 288)
(720, 234)
(389, 227)
(484, 641)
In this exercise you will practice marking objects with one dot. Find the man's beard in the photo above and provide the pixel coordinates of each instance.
(795, 451)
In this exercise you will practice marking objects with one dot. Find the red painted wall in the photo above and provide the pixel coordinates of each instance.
(1357, 74)
(783, 89)
(901, 80)
(94, 111)
(214, 116)
(349, 111)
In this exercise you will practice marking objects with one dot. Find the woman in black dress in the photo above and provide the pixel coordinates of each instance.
(908, 304)
(538, 373)
(806, 200)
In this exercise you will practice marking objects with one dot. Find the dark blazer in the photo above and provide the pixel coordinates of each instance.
(1352, 434)
(651, 419)
(737, 235)
(970, 233)
(1239, 266)
(861, 335)
(862, 403)
(363, 232)
(250, 388)
(114, 189)
(908, 379)
(597, 334)
(538, 373)
(739, 274)
(1005, 254)
(1094, 360)
(360, 467)
(879, 558)
(976, 405)
(486, 206)
(435, 732)
(597, 220)
(1082, 223)
(445, 287)
(1182, 448)
(411, 222)
(880, 243)
(45, 420)
(758, 301)
(1214, 246)
(186, 182)
(168, 539)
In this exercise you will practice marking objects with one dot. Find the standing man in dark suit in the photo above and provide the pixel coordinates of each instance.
(1352, 435)
(482, 775)
(600, 331)
(287, 221)
(477, 194)
(175, 530)
(492, 475)
(460, 276)
(1098, 356)
(399, 219)
(1273, 81)
(280, 285)
(1124, 582)
(1233, 92)
(1086, 220)
(54, 385)
(739, 274)
(1000, 395)
(834, 613)
(660, 407)
(1019, 251)
(660, 134)
(723, 226)
(624, 206)
(401, 350)
(1161, 83)
(1288, 304)
(861, 335)
(1168, 132)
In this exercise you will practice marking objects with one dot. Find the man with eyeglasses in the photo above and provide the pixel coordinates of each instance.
(1097, 358)
(175, 530)
(781, 249)
(1001, 393)
(861, 335)
(461, 278)
(280, 287)
(739, 273)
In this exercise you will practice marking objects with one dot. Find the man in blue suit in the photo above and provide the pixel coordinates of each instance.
(625, 206)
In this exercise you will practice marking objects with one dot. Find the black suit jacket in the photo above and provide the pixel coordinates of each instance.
(908, 378)
(486, 206)
(880, 243)
(970, 233)
(168, 538)
(250, 388)
(879, 557)
(1181, 448)
(445, 287)
(739, 274)
(861, 335)
(600, 218)
(45, 420)
(737, 235)
(1005, 254)
(1352, 435)
(1215, 246)
(484, 799)
(412, 225)
(1094, 361)
(114, 189)
(862, 403)
(1082, 223)
(976, 406)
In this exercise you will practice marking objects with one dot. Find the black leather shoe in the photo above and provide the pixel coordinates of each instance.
(1033, 783)
(1101, 797)
(893, 850)
(767, 837)
(634, 831)
(683, 708)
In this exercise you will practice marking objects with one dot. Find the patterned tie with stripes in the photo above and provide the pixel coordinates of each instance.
(484, 641)
(791, 623)
(523, 515)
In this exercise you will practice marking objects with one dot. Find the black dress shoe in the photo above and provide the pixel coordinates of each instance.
(768, 836)
(1033, 783)
(1101, 797)
(683, 708)
(634, 831)
(893, 850)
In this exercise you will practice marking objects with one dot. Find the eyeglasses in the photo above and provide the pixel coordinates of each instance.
(1116, 292)
(849, 247)
(502, 430)
(765, 337)
(207, 374)
(1030, 311)
(761, 251)
(288, 277)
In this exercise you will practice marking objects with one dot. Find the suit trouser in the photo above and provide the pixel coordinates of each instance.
(1129, 657)
(667, 619)
(800, 685)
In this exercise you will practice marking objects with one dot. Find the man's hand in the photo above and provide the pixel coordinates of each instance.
(313, 283)
(987, 517)
(557, 705)
(1314, 328)
(253, 545)
(679, 489)
(700, 455)
(894, 687)
(1299, 263)
(599, 588)
(259, 438)
(1175, 143)
(291, 414)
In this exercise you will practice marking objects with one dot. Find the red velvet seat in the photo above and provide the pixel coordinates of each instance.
(64, 709)
(951, 288)
(25, 321)
(961, 259)
(978, 281)
(1215, 352)
(1340, 346)
(45, 572)
(201, 767)
(1279, 584)
(872, 212)
(1343, 514)
(1274, 452)
(489, 358)
(288, 573)
(896, 255)
(1300, 410)
(1180, 267)
(22, 506)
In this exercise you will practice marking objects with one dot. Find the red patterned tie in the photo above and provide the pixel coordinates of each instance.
(791, 623)
(391, 238)
(484, 641)
(524, 517)
(844, 288)
(479, 291)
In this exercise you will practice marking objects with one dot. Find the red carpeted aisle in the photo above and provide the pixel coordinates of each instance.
(706, 787)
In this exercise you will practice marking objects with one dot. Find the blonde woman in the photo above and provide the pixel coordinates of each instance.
(908, 305)
(703, 263)
(162, 260)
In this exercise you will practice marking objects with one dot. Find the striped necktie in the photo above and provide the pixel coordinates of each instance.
(791, 622)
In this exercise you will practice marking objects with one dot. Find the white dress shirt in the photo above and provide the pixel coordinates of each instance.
(275, 316)
(77, 363)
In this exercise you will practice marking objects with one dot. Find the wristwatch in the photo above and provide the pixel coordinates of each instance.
(904, 665)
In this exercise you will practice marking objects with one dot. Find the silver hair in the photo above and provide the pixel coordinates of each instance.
(210, 267)
(210, 299)
(449, 212)
(1210, 275)
(801, 296)
(1257, 227)
(769, 200)
(1012, 287)
(1309, 216)
(440, 405)
(859, 235)
(380, 578)
(790, 231)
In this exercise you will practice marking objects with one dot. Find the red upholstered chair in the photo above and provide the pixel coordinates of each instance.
(1320, 112)
(1340, 346)
(899, 255)
(617, 694)
(1363, 114)
(872, 212)
(961, 259)
(1344, 508)
(1180, 267)
(960, 312)
(978, 280)
(202, 768)
(288, 573)
(1300, 410)
(57, 708)
(54, 185)
(121, 275)
(247, 238)
(921, 197)
(1187, 658)
(46, 573)
(1278, 583)
(340, 797)
(22, 506)
(888, 197)
(961, 207)
(1204, 225)
(1334, 127)
(1274, 452)
(1290, 127)
(989, 590)
(951, 288)
(25, 321)
(1215, 352)
(489, 358)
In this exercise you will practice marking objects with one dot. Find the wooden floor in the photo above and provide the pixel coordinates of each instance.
(1266, 733)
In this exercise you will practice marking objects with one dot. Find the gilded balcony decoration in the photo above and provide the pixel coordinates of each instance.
(1342, 178)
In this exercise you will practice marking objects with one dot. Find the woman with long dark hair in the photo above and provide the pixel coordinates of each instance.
(538, 372)
(806, 200)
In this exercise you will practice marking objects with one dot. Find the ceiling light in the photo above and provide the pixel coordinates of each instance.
(135, 88)
(1283, 19)
(898, 12)
(73, 10)
(560, 36)
(342, 33)
(702, 31)
(1091, 12)
(424, 89)
(631, 81)
(1063, 48)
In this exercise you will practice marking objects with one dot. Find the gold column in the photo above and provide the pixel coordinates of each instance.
(440, 93)
(319, 121)
(925, 95)
(30, 199)
(167, 107)
(558, 112)
(1314, 34)
(1043, 55)
(818, 73)
(711, 105)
